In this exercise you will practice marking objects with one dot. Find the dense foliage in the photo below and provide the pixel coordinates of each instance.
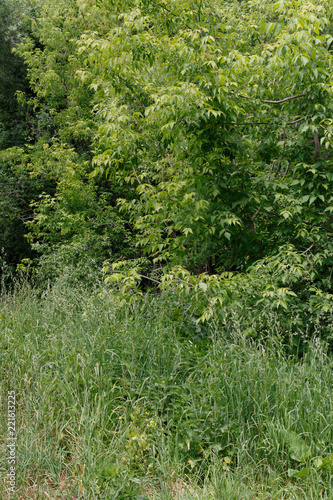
(113, 403)
(166, 247)
(190, 138)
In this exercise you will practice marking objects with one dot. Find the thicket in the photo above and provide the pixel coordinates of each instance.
(189, 142)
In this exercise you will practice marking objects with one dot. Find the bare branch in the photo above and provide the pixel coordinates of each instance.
(317, 144)
(297, 121)
(286, 171)
(281, 101)
(264, 123)
(285, 99)
(310, 248)
(278, 168)
(136, 175)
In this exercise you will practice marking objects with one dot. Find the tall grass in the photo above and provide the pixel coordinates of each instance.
(119, 401)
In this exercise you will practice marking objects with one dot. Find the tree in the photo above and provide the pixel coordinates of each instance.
(217, 138)
(209, 121)
(67, 221)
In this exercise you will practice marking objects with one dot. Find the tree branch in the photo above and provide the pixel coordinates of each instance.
(281, 101)
(264, 123)
(285, 99)
(310, 247)
(317, 144)
(297, 121)
(136, 175)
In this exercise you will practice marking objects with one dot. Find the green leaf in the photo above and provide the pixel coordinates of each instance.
(203, 286)
(301, 473)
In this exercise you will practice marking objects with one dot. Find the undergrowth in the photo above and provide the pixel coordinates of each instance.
(129, 401)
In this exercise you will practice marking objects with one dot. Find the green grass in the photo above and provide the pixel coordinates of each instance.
(122, 401)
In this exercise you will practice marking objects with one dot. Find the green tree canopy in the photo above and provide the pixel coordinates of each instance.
(199, 133)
